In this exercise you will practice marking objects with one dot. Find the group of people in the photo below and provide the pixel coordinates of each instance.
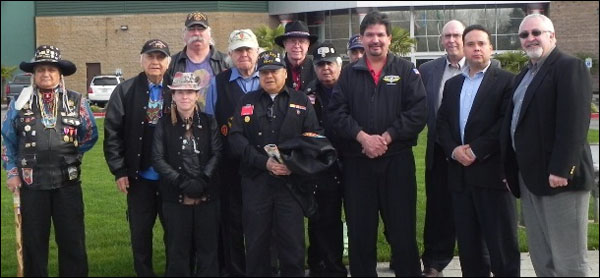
(232, 157)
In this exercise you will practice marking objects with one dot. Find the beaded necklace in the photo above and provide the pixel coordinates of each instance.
(48, 102)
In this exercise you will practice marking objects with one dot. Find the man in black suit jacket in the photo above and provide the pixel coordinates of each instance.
(468, 127)
(438, 233)
(547, 158)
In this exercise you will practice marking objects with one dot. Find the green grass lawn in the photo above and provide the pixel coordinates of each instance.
(593, 136)
(107, 232)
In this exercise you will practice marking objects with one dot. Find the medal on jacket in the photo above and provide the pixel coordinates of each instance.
(66, 132)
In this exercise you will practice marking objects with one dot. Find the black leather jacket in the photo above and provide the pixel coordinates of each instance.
(217, 62)
(167, 157)
(124, 125)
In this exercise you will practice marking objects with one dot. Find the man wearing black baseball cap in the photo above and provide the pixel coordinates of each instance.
(296, 40)
(270, 115)
(132, 112)
(355, 48)
(199, 53)
(325, 232)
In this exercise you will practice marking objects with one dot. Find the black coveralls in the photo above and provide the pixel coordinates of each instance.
(259, 120)
(385, 184)
(325, 230)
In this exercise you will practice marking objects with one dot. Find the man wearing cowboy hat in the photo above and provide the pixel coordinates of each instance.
(46, 132)
(296, 40)
(132, 113)
(185, 152)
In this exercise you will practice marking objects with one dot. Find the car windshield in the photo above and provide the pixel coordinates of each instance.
(23, 79)
(106, 81)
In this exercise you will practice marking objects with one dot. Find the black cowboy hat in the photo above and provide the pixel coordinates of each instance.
(49, 54)
(296, 29)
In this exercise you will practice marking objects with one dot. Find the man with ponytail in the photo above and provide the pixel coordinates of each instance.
(46, 132)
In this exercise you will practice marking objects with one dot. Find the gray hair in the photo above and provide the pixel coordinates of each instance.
(450, 22)
(546, 21)
(208, 29)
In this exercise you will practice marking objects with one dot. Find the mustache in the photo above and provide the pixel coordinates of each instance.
(195, 38)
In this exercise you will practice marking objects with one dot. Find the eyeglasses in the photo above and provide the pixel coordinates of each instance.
(535, 33)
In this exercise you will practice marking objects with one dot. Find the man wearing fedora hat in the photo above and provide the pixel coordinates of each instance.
(46, 131)
(199, 53)
(225, 91)
(132, 113)
(296, 40)
(185, 152)
(270, 115)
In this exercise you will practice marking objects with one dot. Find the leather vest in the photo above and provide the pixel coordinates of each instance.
(229, 95)
(48, 157)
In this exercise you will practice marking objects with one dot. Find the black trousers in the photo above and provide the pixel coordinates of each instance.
(231, 247)
(268, 204)
(192, 228)
(143, 205)
(438, 235)
(486, 218)
(325, 232)
(64, 208)
(385, 186)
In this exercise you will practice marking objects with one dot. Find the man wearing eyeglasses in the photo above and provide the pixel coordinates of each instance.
(547, 158)
(438, 234)
(270, 115)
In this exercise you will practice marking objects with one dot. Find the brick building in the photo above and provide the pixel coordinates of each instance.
(109, 35)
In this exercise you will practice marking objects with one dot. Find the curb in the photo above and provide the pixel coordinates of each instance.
(99, 115)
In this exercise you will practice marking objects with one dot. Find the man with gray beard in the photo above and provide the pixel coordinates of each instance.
(199, 53)
(547, 158)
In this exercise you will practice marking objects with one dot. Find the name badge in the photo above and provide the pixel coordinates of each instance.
(247, 110)
(300, 107)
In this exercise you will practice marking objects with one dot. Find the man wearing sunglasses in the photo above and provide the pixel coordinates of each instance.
(547, 158)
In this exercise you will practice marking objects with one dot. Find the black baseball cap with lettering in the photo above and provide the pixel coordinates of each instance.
(325, 53)
(156, 45)
(196, 18)
(270, 60)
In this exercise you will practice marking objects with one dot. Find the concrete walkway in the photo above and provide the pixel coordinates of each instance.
(453, 269)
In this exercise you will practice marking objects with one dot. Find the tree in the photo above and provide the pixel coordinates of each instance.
(7, 74)
(266, 37)
(512, 61)
(402, 43)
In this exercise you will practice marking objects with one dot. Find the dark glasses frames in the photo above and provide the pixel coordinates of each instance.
(535, 33)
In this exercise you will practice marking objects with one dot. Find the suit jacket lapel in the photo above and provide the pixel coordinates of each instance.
(489, 79)
(455, 116)
(436, 81)
(536, 82)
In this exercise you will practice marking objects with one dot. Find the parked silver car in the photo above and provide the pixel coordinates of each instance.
(101, 87)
